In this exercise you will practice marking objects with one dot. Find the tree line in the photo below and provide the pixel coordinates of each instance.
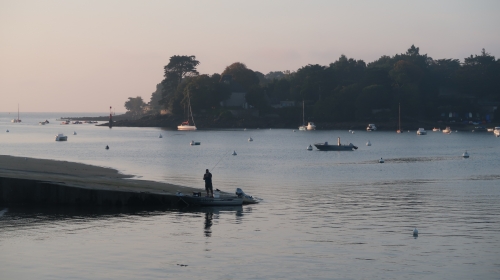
(345, 90)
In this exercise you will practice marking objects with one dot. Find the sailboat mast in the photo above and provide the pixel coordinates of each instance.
(303, 117)
(400, 116)
(190, 110)
(18, 111)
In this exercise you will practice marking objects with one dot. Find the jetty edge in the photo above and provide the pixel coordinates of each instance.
(42, 182)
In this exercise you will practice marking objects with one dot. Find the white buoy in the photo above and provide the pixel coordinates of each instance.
(250, 139)
(244, 129)
(415, 232)
(74, 132)
(456, 131)
(234, 153)
(381, 160)
(309, 148)
(160, 136)
(408, 131)
(465, 155)
(368, 143)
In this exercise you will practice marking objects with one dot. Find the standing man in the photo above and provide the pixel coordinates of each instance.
(208, 184)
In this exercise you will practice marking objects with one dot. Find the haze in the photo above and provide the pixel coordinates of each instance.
(84, 56)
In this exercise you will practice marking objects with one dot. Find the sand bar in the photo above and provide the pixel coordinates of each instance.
(81, 175)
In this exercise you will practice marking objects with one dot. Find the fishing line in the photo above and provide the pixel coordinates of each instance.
(218, 162)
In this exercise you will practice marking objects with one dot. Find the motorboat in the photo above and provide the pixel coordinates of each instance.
(311, 126)
(250, 139)
(77, 122)
(65, 122)
(339, 147)
(197, 199)
(185, 126)
(371, 127)
(74, 132)
(421, 131)
(309, 148)
(44, 122)
(234, 153)
(160, 136)
(368, 143)
(61, 137)
(436, 129)
(381, 160)
(496, 131)
(194, 143)
(447, 130)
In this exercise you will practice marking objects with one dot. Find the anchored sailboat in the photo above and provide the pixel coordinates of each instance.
(303, 126)
(18, 120)
(399, 120)
(187, 125)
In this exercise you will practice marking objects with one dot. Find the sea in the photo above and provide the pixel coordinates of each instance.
(323, 215)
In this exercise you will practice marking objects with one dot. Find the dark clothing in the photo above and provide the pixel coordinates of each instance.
(208, 181)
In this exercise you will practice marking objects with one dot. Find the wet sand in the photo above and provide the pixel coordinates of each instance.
(81, 175)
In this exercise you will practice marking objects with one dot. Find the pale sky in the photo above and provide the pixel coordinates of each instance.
(84, 56)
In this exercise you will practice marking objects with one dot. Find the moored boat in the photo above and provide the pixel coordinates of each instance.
(310, 126)
(61, 137)
(197, 199)
(339, 147)
(371, 127)
(496, 131)
(421, 131)
(447, 130)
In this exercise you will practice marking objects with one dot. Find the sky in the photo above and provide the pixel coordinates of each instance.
(84, 56)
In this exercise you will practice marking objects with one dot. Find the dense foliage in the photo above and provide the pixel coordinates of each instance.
(348, 89)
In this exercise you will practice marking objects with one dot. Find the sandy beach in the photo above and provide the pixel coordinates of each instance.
(80, 175)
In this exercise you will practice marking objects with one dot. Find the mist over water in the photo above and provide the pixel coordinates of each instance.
(325, 215)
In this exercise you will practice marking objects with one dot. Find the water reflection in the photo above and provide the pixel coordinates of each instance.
(209, 216)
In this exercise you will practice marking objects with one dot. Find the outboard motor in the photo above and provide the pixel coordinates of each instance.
(240, 192)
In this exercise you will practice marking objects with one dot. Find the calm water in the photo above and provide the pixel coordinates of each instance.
(325, 215)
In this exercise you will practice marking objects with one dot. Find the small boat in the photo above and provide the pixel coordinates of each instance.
(107, 147)
(465, 155)
(250, 139)
(74, 132)
(338, 147)
(421, 131)
(496, 131)
(309, 148)
(197, 199)
(160, 136)
(447, 130)
(381, 160)
(61, 137)
(7, 130)
(234, 153)
(479, 129)
(368, 143)
(371, 127)
(41, 123)
(65, 122)
(194, 143)
(436, 129)
(311, 126)
(490, 129)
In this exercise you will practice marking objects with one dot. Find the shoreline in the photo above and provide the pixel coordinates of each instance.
(41, 181)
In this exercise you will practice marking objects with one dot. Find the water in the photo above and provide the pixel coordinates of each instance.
(325, 215)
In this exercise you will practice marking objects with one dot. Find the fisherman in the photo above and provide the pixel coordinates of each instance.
(208, 183)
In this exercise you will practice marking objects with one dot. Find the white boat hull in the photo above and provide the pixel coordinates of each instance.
(186, 127)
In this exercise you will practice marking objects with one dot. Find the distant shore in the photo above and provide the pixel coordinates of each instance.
(171, 122)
